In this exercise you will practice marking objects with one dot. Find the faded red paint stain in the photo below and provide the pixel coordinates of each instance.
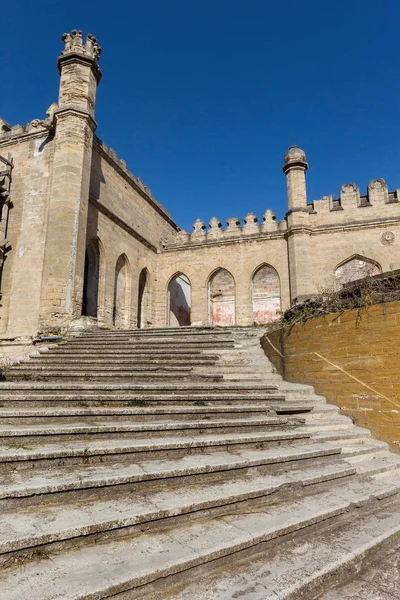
(223, 314)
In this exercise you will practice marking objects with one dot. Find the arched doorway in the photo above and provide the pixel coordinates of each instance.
(356, 267)
(179, 301)
(91, 280)
(221, 293)
(121, 291)
(143, 299)
(266, 295)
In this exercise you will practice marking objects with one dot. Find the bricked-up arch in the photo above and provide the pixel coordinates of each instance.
(91, 279)
(179, 301)
(355, 267)
(266, 295)
(121, 292)
(143, 316)
(221, 294)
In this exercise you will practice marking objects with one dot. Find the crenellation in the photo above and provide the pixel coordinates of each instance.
(233, 230)
(378, 192)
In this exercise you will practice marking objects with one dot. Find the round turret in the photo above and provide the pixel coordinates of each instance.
(295, 157)
(294, 154)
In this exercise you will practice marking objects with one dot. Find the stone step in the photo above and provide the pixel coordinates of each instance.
(30, 415)
(92, 430)
(27, 527)
(54, 359)
(266, 387)
(21, 374)
(303, 567)
(153, 345)
(132, 448)
(39, 481)
(134, 561)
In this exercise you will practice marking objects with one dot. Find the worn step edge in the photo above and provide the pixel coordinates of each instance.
(125, 446)
(66, 429)
(42, 481)
(43, 529)
(198, 545)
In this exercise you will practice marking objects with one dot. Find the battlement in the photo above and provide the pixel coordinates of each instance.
(350, 200)
(73, 44)
(233, 230)
(111, 155)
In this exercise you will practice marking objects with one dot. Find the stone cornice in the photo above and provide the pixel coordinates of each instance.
(24, 136)
(76, 57)
(76, 112)
(375, 223)
(121, 223)
(224, 242)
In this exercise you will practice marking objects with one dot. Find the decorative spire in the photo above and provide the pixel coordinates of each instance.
(74, 45)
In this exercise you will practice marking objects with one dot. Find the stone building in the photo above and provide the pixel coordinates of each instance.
(81, 235)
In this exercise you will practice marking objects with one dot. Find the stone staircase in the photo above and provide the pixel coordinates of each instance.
(176, 464)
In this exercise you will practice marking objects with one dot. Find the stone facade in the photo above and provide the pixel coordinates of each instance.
(82, 235)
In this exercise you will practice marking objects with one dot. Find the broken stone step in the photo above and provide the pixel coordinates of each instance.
(158, 387)
(136, 447)
(123, 565)
(76, 430)
(28, 483)
(24, 528)
(300, 568)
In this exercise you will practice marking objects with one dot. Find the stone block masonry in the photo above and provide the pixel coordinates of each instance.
(353, 359)
(87, 238)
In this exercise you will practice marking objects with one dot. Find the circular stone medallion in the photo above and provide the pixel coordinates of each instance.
(387, 238)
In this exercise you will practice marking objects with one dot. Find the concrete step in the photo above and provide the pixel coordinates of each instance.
(134, 561)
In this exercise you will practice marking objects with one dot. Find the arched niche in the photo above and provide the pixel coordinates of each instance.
(91, 279)
(221, 298)
(179, 301)
(355, 267)
(266, 295)
(121, 291)
(143, 309)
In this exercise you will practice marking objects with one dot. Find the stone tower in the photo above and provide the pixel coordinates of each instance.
(64, 259)
(299, 231)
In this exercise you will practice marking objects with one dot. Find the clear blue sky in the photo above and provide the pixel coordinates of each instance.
(202, 98)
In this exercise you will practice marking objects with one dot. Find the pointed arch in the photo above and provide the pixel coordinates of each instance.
(143, 308)
(266, 294)
(355, 267)
(221, 298)
(121, 292)
(179, 300)
(90, 299)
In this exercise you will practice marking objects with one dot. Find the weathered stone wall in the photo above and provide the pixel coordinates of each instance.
(352, 358)
(241, 258)
(332, 248)
(22, 276)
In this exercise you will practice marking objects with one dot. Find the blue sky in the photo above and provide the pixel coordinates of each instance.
(202, 99)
